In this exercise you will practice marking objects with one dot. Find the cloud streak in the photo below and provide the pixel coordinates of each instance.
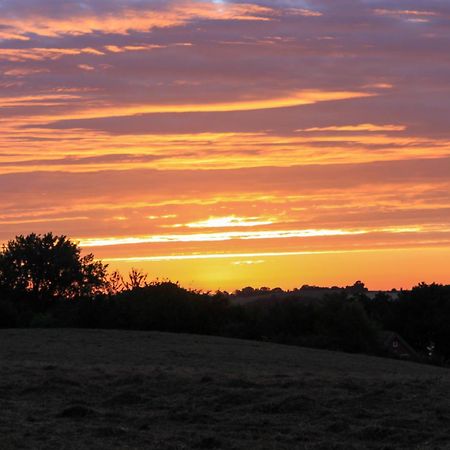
(120, 17)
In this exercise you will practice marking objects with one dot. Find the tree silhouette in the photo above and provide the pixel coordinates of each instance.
(46, 267)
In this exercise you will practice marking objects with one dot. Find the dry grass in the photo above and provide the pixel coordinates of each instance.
(83, 389)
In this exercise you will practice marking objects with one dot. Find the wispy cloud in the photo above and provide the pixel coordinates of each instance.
(121, 18)
(368, 127)
(212, 237)
(228, 221)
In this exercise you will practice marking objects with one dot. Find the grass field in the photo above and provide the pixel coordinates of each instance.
(88, 389)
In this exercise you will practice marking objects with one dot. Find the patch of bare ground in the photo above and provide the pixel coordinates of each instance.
(87, 389)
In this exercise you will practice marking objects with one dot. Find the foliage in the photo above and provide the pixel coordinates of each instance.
(336, 323)
(118, 283)
(47, 267)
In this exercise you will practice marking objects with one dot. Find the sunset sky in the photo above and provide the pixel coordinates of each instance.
(227, 143)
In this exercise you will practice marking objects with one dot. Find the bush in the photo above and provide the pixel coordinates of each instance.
(43, 320)
(9, 316)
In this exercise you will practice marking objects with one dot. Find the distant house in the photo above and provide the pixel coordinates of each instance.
(396, 347)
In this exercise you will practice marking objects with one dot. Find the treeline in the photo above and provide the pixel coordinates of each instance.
(336, 323)
(44, 282)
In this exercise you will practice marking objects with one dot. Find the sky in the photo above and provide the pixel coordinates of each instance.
(227, 143)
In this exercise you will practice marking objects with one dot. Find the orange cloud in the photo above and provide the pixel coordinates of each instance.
(296, 98)
(39, 54)
(36, 100)
(133, 48)
(369, 127)
(127, 19)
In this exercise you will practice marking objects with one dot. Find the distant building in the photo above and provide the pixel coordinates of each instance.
(396, 347)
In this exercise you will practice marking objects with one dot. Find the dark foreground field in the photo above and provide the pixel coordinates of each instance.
(70, 389)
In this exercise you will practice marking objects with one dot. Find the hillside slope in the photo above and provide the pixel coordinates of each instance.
(121, 389)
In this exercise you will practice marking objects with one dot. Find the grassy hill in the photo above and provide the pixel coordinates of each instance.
(89, 389)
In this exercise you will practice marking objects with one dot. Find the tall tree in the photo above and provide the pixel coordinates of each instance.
(46, 267)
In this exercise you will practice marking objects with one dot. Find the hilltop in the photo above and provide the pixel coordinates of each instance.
(94, 389)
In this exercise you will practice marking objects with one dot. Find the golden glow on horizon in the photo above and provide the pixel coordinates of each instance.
(292, 271)
(138, 259)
